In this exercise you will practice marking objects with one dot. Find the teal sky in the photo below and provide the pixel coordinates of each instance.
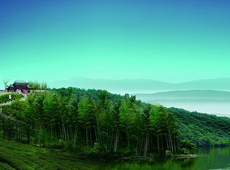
(167, 40)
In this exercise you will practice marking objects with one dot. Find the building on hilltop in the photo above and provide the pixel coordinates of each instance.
(18, 86)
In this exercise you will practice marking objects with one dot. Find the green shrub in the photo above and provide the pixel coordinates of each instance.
(5, 97)
(187, 146)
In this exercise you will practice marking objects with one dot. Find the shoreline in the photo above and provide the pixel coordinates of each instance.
(178, 156)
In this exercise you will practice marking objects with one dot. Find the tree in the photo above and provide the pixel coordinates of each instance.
(116, 125)
(5, 82)
(146, 130)
(104, 120)
(130, 115)
(164, 127)
(87, 119)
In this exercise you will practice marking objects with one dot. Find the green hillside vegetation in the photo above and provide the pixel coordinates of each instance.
(5, 97)
(15, 156)
(204, 130)
(91, 122)
(97, 124)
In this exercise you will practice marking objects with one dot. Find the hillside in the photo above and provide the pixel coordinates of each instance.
(203, 129)
(4, 98)
(96, 123)
(15, 156)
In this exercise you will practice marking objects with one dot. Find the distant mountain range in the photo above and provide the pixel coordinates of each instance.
(143, 85)
(206, 101)
(208, 96)
(187, 95)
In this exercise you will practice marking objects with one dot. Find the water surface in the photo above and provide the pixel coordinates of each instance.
(210, 159)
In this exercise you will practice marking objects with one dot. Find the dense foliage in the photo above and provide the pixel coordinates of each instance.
(95, 122)
(5, 97)
(91, 122)
(204, 130)
(37, 86)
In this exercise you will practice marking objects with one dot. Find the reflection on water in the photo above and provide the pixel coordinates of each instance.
(210, 159)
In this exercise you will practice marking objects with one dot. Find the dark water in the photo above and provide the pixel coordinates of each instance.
(211, 159)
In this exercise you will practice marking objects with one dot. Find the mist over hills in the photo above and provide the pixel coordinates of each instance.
(189, 94)
(206, 101)
(115, 86)
(143, 85)
(207, 96)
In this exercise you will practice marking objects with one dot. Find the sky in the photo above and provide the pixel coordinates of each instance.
(166, 40)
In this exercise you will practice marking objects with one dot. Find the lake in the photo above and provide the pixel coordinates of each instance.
(210, 159)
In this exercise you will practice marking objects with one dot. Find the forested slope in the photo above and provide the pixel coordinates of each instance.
(96, 123)
(202, 129)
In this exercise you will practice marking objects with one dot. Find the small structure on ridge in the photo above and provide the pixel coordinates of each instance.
(18, 86)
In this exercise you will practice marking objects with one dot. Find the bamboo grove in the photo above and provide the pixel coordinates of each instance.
(91, 121)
